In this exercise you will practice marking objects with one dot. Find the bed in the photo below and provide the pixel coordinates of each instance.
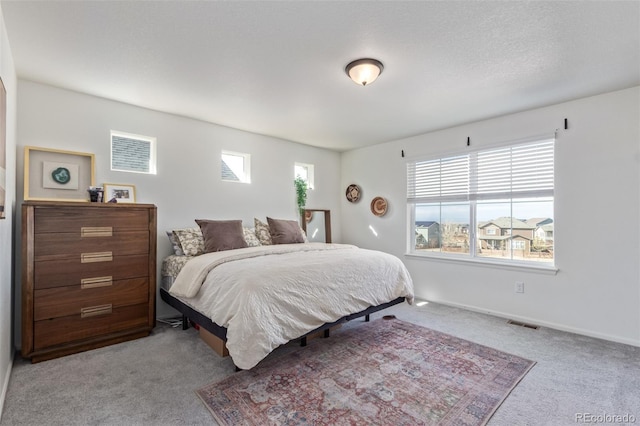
(257, 297)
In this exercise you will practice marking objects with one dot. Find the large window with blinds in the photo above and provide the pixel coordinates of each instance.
(494, 204)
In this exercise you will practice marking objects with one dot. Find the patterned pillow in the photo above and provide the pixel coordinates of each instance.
(175, 244)
(191, 241)
(250, 237)
(172, 265)
(262, 232)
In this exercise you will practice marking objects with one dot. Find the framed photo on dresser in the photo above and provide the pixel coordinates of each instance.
(120, 192)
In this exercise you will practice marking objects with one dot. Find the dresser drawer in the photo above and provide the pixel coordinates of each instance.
(72, 219)
(74, 300)
(66, 272)
(67, 245)
(70, 329)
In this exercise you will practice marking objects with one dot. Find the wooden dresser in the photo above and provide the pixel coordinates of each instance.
(88, 276)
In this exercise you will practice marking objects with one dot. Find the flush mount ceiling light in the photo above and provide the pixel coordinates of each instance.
(364, 71)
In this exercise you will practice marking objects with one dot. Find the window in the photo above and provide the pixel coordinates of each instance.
(133, 153)
(236, 167)
(305, 171)
(518, 245)
(492, 204)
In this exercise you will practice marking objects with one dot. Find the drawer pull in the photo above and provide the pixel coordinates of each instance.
(96, 231)
(93, 311)
(96, 282)
(105, 256)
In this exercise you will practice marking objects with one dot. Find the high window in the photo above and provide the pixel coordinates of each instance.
(494, 204)
(305, 171)
(133, 153)
(236, 167)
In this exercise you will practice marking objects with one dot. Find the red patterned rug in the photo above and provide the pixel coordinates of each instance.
(380, 373)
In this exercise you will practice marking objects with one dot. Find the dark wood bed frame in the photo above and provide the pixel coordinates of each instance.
(188, 313)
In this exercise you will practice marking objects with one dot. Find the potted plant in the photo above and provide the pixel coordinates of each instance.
(301, 194)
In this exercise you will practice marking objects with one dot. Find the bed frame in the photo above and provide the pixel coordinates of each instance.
(190, 314)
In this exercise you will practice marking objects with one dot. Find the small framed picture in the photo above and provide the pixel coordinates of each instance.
(55, 175)
(119, 192)
(3, 149)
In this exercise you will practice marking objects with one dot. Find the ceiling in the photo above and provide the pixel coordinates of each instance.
(277, 68)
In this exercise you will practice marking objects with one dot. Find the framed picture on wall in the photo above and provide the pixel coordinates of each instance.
(55, 175)
(120, 192)
(3, 150)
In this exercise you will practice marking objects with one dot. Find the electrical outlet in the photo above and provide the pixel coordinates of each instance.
(519, 287)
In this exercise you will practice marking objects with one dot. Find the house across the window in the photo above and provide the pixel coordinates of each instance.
(514, 238)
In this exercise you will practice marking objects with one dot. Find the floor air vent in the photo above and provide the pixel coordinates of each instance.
(522, 324)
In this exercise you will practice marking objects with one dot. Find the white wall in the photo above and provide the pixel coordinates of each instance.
(8, 74)
(597, 235)
(187, 184)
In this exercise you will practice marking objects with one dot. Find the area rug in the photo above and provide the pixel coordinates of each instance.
(385, 372)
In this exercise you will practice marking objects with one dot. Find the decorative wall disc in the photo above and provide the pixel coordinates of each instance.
(379, 206)
(353, 193)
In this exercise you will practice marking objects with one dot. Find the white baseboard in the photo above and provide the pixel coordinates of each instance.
(5, 386)
(555, 326)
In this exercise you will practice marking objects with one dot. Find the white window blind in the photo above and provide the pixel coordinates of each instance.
(444, 179)
(517, 171)
(133, 153)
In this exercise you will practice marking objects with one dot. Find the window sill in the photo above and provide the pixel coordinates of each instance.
(487, 263)
(236, 181)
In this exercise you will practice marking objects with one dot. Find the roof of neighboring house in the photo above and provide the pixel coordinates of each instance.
(503, 237)
(539, 221)
(227, 173)
(425, 223)
(507, 222)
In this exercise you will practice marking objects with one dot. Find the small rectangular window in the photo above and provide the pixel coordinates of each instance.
(133, 153)
(305, 171)
(236, 167)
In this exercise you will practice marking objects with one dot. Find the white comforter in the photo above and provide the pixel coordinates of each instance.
(266, 296)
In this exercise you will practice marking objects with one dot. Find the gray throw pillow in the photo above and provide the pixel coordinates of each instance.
(285, 231)
(220, 235)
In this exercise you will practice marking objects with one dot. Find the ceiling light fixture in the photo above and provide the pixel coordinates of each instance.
(364, 71)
